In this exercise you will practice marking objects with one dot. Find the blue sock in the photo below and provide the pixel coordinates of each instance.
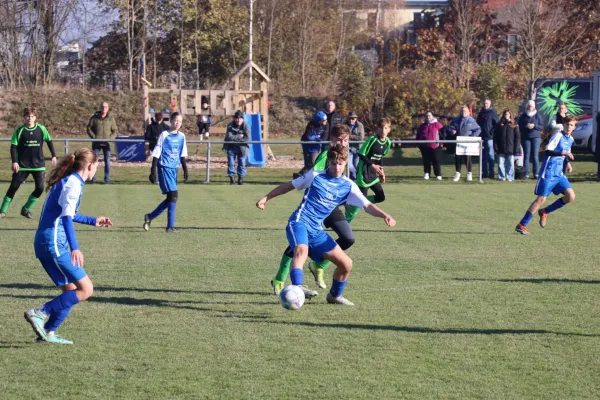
(297, 276)
(62, 302)
(555, 206)
(337, 288)
(171, 215)
(56, 319)
(159, 210)
(526, 218)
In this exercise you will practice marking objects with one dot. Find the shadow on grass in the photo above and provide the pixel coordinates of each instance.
(12, 345)
(418, 329)
(532, 280)
(126, 289)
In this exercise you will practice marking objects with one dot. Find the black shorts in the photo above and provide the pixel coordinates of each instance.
(21, 176)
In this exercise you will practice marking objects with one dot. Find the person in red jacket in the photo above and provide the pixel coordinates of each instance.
(431, 152)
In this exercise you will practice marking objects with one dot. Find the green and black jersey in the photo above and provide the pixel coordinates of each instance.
(26, 147)
(371, 152)
(321, 161)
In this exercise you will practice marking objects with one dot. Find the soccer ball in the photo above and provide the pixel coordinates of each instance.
(291, 297)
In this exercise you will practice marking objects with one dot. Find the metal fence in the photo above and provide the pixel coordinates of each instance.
(210, 143)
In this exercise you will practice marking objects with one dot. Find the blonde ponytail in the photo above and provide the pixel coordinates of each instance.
(71, 163)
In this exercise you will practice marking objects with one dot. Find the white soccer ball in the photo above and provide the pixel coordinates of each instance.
(291, 297)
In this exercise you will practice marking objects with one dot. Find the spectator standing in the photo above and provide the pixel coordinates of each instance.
(556, 123)
(237, 148)
(464, 125)
(507, 143)
(102, 126)
(431, 152)
(153, 131)
(316, 131)
(531, 126)
(333, 118)
(204, 122)
(487, 120)
(357, 133)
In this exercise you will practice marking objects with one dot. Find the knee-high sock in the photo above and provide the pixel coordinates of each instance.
(30, 202)
(337, 288)
(5, 203)
(297, 276)
(65, 300)
(171, 214)
(560, 203)
(159, 210)
(284, 268)
(526, 218)
(56, 319)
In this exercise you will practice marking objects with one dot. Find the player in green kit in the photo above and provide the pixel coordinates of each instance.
(370, 174)
(340, 134)
(28, 158)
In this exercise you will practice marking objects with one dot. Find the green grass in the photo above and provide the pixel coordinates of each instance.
(450, 304)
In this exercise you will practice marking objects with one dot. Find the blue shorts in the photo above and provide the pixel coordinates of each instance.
(555, 185)
(167, 179)
(319, 242)
(61, 271)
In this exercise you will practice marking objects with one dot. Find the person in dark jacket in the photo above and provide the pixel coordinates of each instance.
(597, 152)
(333, 118)
(237, 136)
(357, 133)
(316, 131)
(102, 126)
(204, 122)
(463, 125)
(531, 126)
(431, 152)
(153, 131)
(507, 141)
(487, 120)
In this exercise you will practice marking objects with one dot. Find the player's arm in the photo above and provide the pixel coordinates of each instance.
(156, 155)
(49, 143)
(302, 182)
(14, 155)
(551, 147)
(357, 199)
(182, 159)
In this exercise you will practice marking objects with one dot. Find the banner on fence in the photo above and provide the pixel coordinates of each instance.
(131, 151)
(465, 146)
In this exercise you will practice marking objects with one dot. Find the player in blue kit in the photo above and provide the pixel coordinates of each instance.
(324, 191)
(56, 245)
(168, 154)
(551, 178)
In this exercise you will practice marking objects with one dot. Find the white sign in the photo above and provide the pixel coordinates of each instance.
(467, 146)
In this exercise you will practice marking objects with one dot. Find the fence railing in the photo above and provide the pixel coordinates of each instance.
(209, 143)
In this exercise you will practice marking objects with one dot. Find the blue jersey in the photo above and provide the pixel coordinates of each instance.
(169, 149)
(322, 195)
(63, 200)
(552, 166)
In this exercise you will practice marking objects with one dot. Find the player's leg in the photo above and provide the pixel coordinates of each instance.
(38, 177)
(278, 281)
(352, 211)
(15, 183)
(568, 193)
(533, 208)
(76, 287)
(171, 207)
(297, 236)
(337, 222)
(343, 265)
(379, 195)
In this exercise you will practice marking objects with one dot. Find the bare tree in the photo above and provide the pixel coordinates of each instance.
(544, 37)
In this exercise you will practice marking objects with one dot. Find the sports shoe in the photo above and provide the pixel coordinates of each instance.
(308, 294)
(469, 176)
(171, 229)
(2, 215)
(277, 286)
(439, 178)
(147, 222)
(55, 339)
(426, 176)
(26, 213)
(522, 229)
(36, 319)
(543, 217)
(317, 274)
(456, 176)
(338, 300)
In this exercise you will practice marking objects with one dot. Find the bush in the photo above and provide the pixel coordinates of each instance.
(490, 82)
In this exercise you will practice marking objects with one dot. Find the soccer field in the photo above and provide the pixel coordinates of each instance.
(449, 304)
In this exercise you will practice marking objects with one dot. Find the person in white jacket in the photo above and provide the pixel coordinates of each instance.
(556, 123)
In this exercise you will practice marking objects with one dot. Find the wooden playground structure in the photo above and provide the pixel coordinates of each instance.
(223, 102)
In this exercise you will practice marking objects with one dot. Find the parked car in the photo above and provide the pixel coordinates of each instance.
(583, 133)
